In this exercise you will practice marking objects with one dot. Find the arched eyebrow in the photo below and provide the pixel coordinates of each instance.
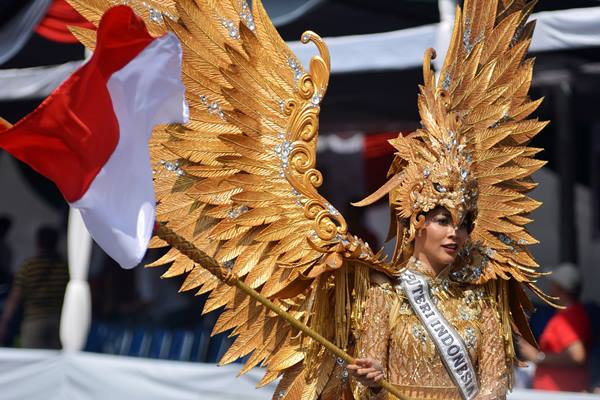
(440, 211)
(443, 211)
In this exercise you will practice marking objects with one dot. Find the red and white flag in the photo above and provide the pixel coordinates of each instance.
(90, 136)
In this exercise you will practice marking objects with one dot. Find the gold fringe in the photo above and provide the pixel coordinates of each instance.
(342, 308)
(506, 317)
(362, 283)
(395, 315)
(320, 320)
(400, 241)
(310, 302)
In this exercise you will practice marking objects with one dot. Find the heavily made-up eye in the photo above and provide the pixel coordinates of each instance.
(440, 188)
(442, 220)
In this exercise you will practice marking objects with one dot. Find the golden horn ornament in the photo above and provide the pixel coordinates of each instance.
(193, 253)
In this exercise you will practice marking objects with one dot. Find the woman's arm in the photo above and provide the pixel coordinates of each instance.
(493, 366)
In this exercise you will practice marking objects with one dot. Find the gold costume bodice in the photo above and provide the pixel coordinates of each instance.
(393, 334)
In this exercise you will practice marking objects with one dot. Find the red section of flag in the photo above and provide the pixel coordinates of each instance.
(70, 136)
(55, 24)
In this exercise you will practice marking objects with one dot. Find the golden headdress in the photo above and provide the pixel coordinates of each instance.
(470, 155)
(239, 180)
(430, 170)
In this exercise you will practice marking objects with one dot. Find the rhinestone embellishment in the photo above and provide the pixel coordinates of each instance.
(282, 151)
(212, 107)
(465, 315)
(246, 16)
(505, 239)
(467, 37)
(155, 16)
(511, 243)
(332, 209)
(300, 200)
(419, 333)
(472, 296)
(232, 30)
(446, 81)
(281, 104)
(470, 337)
(439, 188)
(296, 68)
(316, 99)
(172, 166)
(344, 375)
(233, 214)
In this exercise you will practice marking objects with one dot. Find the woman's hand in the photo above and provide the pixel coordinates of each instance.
(367, 371)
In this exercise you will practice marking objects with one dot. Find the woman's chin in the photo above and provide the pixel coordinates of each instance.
(447, 259)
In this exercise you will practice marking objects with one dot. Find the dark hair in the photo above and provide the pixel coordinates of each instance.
(5, 224)
(470, 221)
(47, 238)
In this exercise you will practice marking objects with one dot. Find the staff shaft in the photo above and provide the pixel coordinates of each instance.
(188, 249)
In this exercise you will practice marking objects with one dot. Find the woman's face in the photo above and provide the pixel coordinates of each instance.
(439, 241)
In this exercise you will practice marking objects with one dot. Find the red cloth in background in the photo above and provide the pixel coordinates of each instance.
(55, 24)
(378, 156)
(564, 328)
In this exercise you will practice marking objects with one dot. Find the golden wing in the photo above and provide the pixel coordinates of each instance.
(484, 83)
(477, 112)
(239, 181)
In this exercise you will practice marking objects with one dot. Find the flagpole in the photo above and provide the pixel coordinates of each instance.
(188, 249)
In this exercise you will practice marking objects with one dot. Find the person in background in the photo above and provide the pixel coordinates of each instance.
(561, 360)
(39, 286)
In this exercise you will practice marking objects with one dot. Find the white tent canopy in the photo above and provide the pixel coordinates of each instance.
(555, 30)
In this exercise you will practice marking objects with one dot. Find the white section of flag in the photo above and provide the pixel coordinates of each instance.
(118, 207)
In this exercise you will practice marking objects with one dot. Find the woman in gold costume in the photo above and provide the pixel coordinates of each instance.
(452, 232)
(393, 342)
(239, 182)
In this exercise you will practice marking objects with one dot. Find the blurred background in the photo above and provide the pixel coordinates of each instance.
(376, 48)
